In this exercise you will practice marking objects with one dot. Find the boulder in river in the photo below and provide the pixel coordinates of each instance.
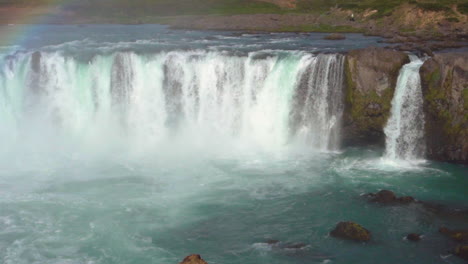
(462, 251)
(351, 231)
(193, 259)
(387, 197)
(457, 235)
(413, 237)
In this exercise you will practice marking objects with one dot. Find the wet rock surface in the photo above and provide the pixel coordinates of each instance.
(413, 237)
(444, 80)
(456, 235)
(371, 75)
(387, 197)
(462, 251)
(351, 231)
(193, 259)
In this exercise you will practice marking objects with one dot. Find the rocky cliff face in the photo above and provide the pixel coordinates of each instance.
(371, 76)
(444, 80)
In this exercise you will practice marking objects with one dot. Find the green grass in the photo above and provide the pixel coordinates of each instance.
(322, 28)
(142, 8)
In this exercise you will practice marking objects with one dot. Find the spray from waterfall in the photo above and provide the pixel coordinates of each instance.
(405, 128)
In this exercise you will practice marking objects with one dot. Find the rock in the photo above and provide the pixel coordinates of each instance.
(445, 211)
(272, 241)
(462, 251)
(387, 197)
(371, 75)
(351, 231)
(295, 246)
(406, 200)
(444, 80)
(457, 235)
(335, 36)
(36, 61)
(193, 259)
(413, 237)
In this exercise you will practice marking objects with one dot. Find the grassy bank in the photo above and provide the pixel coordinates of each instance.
(227, 7)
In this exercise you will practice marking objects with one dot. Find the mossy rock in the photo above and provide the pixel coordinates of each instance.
(444, 81)
(351, 231)
(370, 75)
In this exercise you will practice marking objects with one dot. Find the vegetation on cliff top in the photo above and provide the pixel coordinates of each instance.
(194, 7)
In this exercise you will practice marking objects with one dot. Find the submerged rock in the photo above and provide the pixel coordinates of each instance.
(272, 241)
(295, 246)
(413, 237)
(384, 196)
(335, 36)
(351, 231)
(387, 197)
(193, 259)
(462, 251)
(457, 235)
(280, 245)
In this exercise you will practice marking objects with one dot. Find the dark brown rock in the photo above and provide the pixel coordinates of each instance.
(444, 80)
(371, 75)
(457, 235)
(387, 197)
(462, 251)
(406, 200)
(413, 237)
(193, 259)
(351, 231)
(272, 241)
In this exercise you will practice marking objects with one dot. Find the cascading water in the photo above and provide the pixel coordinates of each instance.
(405, 128)
(263, 99)
(140, 144)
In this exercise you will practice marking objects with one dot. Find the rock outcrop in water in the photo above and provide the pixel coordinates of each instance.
(351, 231)
(371, 76)
(462, 251)
(193, 259)
(413, 237)
(444, 80)
(387, 197)
(457, 235)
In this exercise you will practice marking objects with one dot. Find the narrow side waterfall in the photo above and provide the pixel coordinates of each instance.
(405, 128)
(267, 99)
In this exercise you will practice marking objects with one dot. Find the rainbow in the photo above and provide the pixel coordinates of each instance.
(17, 23)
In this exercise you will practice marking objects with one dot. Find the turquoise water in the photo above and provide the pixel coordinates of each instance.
(123, 144)
(157, 209)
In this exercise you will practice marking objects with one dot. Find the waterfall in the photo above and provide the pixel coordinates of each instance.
(405, 128)
(265, 98)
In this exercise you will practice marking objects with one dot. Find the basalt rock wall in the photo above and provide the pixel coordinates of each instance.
(444, 80)
(371, 75)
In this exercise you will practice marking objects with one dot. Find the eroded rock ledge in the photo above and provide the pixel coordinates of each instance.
(371, 75)
(444, 80)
